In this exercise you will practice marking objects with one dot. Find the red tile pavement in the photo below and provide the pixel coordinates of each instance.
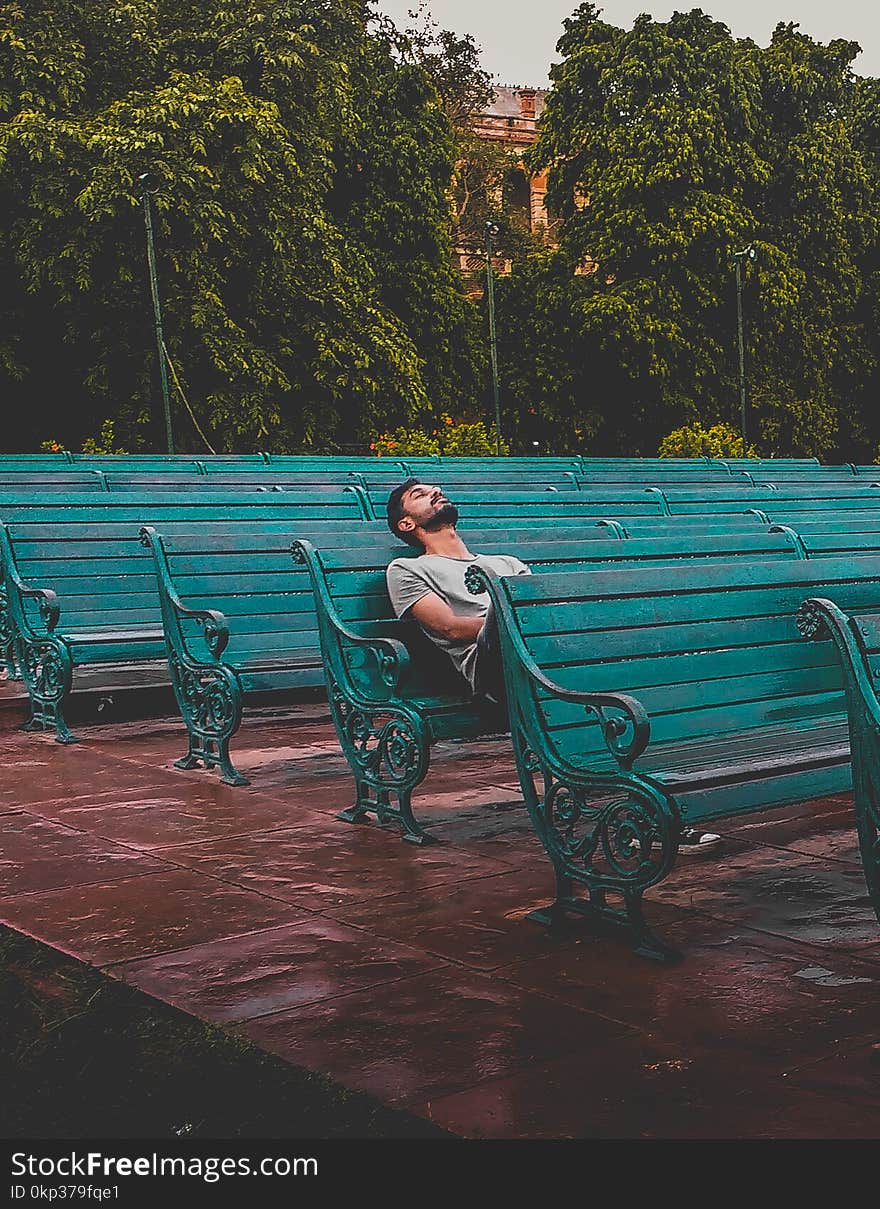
(333, 865)
(184, 814)
(242, 977)
(430, 1034)
(39, 855)
(412, 973)
(635, 1088)
(111, 921)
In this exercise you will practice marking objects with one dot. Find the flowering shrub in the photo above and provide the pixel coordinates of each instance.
(695, 441)
(454, 439)
(406, 442)
(51, 447)
(469, 440)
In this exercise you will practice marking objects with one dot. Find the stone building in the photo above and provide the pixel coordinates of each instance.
(510, 119)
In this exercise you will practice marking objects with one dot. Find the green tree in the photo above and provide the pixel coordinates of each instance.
(669, 146)
(278, 310)
(816, 220)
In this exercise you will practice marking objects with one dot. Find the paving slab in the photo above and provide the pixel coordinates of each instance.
(243, 977)
(430, 1034)
(105, 922)
(783, 891)
(36, 854)
(334, 865)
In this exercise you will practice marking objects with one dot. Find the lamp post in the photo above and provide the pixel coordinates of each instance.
(747, 253)
(491, 232)
(147, 184)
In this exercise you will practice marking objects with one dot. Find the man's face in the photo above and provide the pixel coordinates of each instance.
(427, 508)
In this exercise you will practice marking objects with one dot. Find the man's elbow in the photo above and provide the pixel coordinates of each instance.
(463, 629)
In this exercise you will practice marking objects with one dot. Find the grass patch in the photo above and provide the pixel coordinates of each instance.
(83, 1056)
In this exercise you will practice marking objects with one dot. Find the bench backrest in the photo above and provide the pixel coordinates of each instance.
(351, 589)
(710, 650)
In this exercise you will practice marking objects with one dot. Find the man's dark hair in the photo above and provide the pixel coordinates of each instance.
(396, 512)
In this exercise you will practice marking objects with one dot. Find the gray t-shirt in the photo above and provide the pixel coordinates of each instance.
(409, 579)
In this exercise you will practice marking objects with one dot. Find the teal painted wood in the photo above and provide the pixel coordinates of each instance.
(258, 607)
(719, 710)
(344, 504)
(415, 695)
(82, 552)
(855, 634)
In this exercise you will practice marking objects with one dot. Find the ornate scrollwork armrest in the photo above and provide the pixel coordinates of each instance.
(819, 619)
(212, 621)
(391, 656)
(626, 726)
(47, 600)
(214, 627)
(392, 660)
(813, 616)
(47, 603)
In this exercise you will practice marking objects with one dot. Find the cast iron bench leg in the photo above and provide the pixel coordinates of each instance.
(388, 751)
(866, 777)
(47, 670)
(594, 907)
(210, 701)
(7, 641)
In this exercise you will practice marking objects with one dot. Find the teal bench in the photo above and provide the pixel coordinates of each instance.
(640, 699)
(78, 589)
(392, 693)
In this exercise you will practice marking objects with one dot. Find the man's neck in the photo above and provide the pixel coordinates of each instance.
(445, 542)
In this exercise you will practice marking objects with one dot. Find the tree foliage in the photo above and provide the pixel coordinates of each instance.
(671, 145)
(302, 246)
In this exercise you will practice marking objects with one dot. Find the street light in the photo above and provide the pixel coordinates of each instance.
(147, 184)
(491, 233)
(747, 253)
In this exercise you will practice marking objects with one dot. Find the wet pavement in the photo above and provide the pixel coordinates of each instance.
(413, 973)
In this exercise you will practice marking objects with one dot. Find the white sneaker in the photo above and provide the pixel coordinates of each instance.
(693, 842)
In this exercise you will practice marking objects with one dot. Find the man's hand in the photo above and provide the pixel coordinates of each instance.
(435, 615)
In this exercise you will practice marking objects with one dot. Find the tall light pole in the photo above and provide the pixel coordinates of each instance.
(747, 253)
(491, 232)
(147, 184)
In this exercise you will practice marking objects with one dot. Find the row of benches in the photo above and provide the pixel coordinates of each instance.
(86, 558)
(687, 637)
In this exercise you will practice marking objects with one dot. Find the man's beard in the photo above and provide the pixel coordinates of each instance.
(447, 514)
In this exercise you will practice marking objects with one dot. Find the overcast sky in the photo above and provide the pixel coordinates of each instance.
(519, 39)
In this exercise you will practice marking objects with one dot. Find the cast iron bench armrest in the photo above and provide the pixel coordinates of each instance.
(47, 600)
(635, 721)
(212, 621)
(391, 655)
(819, 618)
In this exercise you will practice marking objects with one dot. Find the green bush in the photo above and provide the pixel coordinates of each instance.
(406, 442)
(695, 441)
(454, 439)
(466, 439)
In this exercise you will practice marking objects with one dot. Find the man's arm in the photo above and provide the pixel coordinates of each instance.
(435, 615)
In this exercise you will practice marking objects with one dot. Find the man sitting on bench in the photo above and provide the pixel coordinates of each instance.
(431, 588)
